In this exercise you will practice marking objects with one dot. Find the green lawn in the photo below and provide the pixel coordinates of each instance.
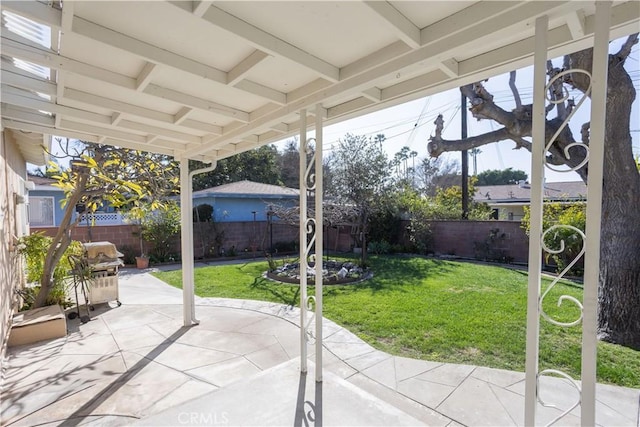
(436, 310)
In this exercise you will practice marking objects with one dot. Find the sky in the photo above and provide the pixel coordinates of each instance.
(411, 124)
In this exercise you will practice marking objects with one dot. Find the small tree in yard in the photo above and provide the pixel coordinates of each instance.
(99, 175)
(360, 171)
(619, 286)
(160, 229)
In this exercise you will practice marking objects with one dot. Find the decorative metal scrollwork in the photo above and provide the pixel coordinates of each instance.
(310, 225)
(310, 175)
(550, 372)
(309, 305)
(562, 274)
(565, 123)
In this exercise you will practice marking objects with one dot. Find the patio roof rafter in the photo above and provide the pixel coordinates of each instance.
(154, 55)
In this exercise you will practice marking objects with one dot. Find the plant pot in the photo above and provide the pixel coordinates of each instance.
(142, 262)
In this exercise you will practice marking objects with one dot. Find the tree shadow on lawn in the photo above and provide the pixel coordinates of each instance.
(400, 271)
(286, 294)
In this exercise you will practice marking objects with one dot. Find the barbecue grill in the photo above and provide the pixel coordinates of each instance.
(104, 260)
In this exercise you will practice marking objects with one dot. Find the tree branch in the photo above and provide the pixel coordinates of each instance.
(625, 49)
(437, 146)
(514, 89)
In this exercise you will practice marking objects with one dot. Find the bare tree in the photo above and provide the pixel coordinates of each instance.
(619, 289)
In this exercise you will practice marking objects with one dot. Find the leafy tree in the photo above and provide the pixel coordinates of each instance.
(434, 172)
(360, 171)
(160, 229)
(619, 286)
(561, 217)
(447, 204)
(98, 175)
(289, 164)
(259, 165)
(501, 177)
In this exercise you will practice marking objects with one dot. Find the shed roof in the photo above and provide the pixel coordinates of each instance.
(248, 189)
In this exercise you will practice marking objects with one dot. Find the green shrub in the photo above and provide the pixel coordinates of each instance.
(34, 248)
(380, 248)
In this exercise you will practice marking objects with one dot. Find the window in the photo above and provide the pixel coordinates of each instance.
(41, 211)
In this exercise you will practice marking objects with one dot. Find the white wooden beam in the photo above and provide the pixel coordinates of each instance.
(116, 118)
(281, 128)
(103, 131)
(50, 59)
(473, 16)
(403, 27)
(35, 11)
(575, 21)
(158, 147)
(439, 46)
(144, 78)
(48, 129)
(133, 110)
(373, 94)
(241, 69)
(450, 67)
(348, 107)
(66, 19)
(160, 56)
(181, 115)
(387, 53)
(200, 7)
(266, 42)
(159, 132)
(195, 102)
(30, 101)
(28, 82)
(263, 91)
(147, 51)
(27, 116)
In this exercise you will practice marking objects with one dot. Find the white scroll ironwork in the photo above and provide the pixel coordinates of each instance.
(566, 121)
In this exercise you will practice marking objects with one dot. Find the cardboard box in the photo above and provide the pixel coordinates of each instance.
(39, 324)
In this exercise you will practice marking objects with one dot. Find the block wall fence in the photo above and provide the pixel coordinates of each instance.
(449, 237)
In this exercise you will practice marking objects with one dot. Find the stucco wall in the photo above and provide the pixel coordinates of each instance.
(12, 220)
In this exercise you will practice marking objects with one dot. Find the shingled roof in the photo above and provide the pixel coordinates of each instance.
(247, 189)
(574, 190)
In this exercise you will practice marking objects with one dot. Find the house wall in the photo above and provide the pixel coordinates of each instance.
(234, 209)
(13, 224)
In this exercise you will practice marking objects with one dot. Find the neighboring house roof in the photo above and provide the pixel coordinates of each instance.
(521, 193)
(248, 189)
(43, 184)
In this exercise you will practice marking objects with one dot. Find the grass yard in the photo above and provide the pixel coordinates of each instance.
(436, 310)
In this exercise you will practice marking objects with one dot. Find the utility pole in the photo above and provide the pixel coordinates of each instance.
(465, 159)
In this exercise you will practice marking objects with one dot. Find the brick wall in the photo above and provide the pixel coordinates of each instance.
(449, 237)
(458, 238)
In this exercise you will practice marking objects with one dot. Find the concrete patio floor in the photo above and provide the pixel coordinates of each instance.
(137, 364)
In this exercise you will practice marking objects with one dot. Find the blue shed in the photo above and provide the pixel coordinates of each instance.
(240, 201)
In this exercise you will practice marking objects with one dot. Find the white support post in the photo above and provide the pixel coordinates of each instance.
(303, 241)
(319, 240)
(535, 240)
(186, 218)
(594, 211)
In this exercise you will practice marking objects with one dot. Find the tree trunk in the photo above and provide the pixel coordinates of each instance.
(619, 290)
(60, 243)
